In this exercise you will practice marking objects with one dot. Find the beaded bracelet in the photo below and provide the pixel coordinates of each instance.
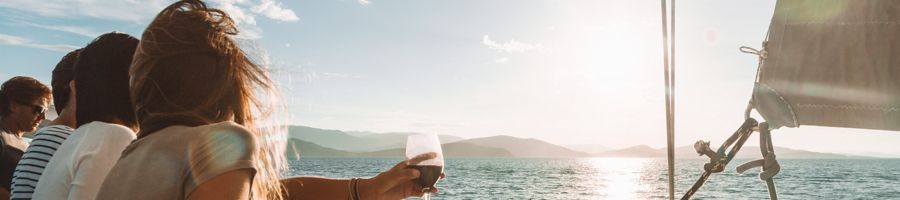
(356, 189)
(350, 188)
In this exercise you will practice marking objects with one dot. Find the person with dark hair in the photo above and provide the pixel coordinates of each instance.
(47, 139)
(195, 97)
(104, 118)
(23, 103)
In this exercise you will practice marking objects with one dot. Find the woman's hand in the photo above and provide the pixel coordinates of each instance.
(396, 183)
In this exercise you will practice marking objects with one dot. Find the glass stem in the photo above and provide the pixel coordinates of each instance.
(427, 195)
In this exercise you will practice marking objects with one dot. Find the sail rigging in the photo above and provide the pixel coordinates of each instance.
(822, 63)
(669, 77)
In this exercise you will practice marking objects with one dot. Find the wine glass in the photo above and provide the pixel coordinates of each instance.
(430, 170)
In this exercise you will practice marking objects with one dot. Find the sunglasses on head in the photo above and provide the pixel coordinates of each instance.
(35, 109)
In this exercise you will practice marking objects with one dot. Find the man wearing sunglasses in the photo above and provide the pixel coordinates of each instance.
(47, 140)
(23, 103)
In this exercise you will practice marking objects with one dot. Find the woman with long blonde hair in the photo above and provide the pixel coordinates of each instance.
(197, 98)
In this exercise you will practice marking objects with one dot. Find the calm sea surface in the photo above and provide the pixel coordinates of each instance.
(630, 178)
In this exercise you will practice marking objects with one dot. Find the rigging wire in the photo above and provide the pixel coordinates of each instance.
(669, 72)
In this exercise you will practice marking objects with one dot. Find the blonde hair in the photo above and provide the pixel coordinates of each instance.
(188, 70)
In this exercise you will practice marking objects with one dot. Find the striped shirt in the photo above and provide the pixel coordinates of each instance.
(43, 146)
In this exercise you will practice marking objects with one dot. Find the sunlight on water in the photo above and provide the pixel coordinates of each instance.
(622, 176)
(630, 178)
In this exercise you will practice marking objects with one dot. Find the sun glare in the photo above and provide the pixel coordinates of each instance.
(621, 176)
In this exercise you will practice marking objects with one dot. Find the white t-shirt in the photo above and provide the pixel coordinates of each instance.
(81, 163)
(173, 162)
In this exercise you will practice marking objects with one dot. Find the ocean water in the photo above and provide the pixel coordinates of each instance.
(631, 178)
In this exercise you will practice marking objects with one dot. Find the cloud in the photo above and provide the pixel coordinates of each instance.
(83, 31)
(364, 2)
(502, 60)
(19, 41)
(512, 46)
(273, 10)
(12, 40)
(246, 21)
(131, 11)
(237, 13)
(141, 12)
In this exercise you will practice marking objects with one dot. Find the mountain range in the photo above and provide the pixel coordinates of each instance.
(355, 141)
(313, 142)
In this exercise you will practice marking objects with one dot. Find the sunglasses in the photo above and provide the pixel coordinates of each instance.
(36, 109)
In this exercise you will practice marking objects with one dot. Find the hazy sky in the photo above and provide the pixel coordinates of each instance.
(568, 72)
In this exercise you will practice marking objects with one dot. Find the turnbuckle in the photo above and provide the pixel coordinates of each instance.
(715, 160)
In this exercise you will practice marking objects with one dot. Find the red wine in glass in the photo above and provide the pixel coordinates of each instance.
(429, 175)
(430, 170)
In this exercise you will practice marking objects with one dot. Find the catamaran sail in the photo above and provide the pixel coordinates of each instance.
(831, 63)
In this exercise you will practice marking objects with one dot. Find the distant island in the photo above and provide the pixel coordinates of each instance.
(313, 142)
